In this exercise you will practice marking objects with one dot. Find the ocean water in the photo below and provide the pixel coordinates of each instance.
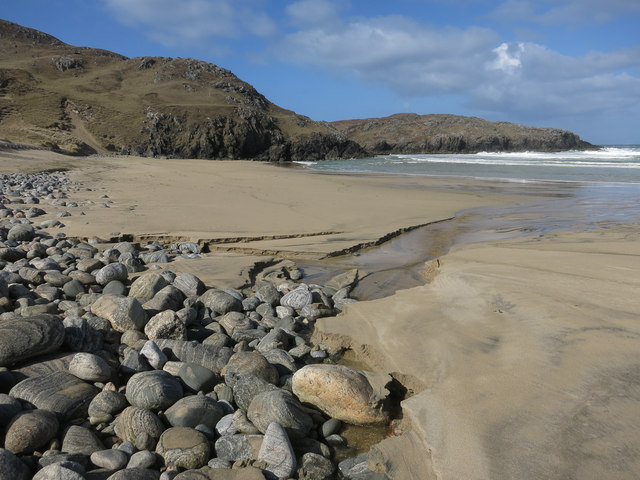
(612, 164)
(573, 190)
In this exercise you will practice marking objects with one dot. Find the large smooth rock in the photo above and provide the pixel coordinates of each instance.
(59, 392)
(249, 363)
(29, 337)
(124, 313)
(281, 407)
(146, 286)
(30, 430)
(268, 293)
(341, 393)
(297, 298)
(90, 367)
(79, 439)
(276, 451)
(114, 271)
(154, 390)
(194, 410)
(184, 447)
(11, 467)
(134, 421)
(209, 356)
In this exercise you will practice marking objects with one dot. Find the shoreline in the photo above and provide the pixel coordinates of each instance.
(427, 336)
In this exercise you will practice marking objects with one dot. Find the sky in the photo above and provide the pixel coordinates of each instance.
(571, 64)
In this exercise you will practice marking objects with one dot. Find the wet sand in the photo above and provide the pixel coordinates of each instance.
(522, 353)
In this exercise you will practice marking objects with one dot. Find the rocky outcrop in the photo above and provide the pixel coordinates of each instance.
(409, 133)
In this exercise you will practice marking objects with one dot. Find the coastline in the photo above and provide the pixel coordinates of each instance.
(471, 408)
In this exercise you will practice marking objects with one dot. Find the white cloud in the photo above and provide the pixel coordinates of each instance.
(200, 23)
(394, 52)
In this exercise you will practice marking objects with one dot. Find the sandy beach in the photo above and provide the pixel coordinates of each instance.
(520, 355)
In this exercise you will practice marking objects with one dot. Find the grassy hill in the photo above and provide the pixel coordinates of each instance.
(83, 100)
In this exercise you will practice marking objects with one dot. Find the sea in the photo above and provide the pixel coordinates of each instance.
(572, 190)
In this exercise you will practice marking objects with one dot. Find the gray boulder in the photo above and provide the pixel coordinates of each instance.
(124, 313)
(154, 390)
(281, 407)
(29, 337)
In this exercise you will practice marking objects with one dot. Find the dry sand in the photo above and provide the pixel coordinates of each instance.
(523, 355)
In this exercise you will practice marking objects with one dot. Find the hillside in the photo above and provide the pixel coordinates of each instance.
(411, 133)
(83, 100)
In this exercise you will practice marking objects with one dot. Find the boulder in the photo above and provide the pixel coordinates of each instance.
(276, 451)
(183, 447)
(341, 393)
(134, 421)
(249, 363)
(194, 410)
(281, 407)
(90, 367)
(30, 430)
(25, 338)
(154, 390)
(124, 313)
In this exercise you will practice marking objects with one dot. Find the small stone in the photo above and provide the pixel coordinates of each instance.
(298, 298)
(331, 426)
(142, 459)
(90, 367)
(110, 459)
(154, 355)
(113, 271)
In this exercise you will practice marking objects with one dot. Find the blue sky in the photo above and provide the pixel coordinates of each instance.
(572, 64)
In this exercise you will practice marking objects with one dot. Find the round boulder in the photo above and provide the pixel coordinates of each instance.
(341, 393)
(184, 448)
(30, 430)
(154, 390)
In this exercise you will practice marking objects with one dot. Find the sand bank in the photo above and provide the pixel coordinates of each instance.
(524, 355)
